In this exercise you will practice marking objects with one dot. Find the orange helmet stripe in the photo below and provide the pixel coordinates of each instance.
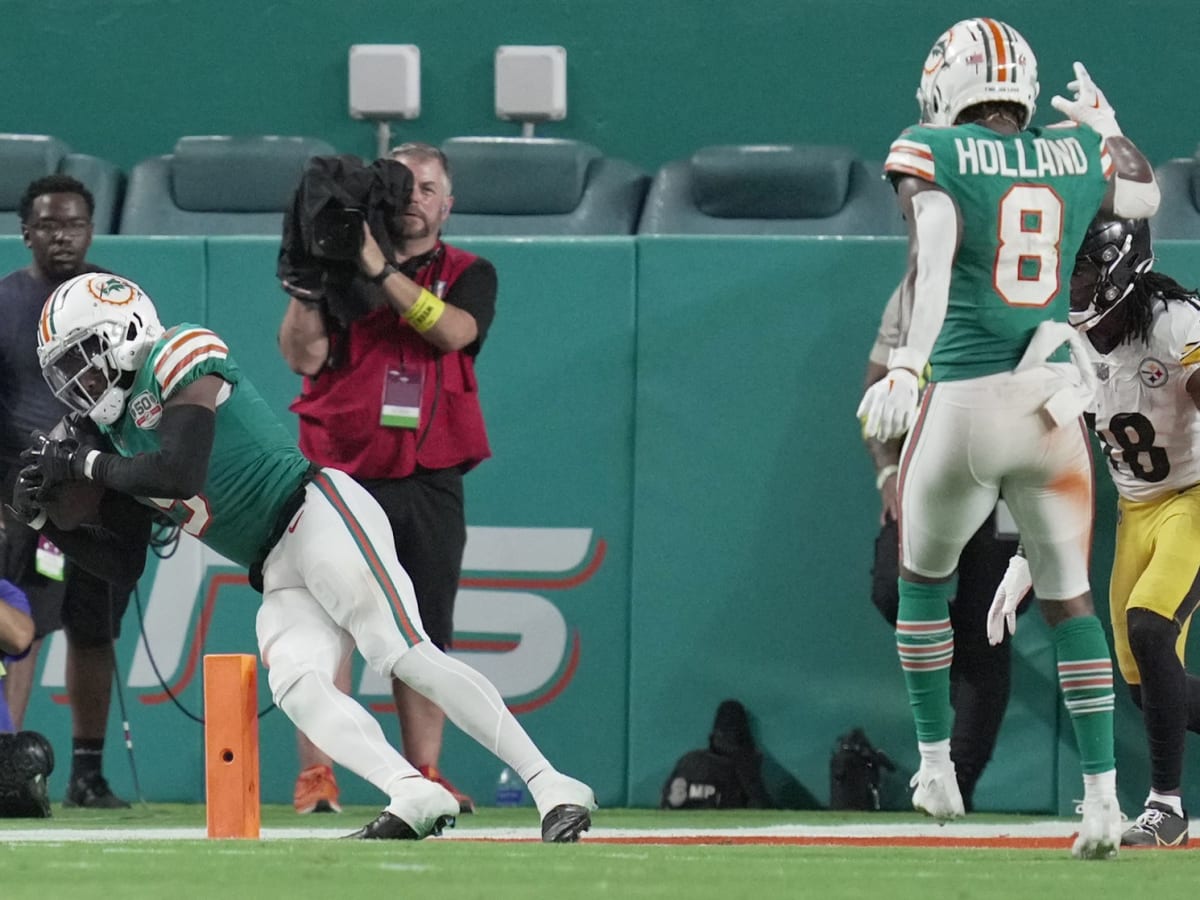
(44, 323)
(1003, 52)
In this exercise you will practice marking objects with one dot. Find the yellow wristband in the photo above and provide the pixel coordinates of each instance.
(424, 314)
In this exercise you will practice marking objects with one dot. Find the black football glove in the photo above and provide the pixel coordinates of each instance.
(26, 503)
(58, 460)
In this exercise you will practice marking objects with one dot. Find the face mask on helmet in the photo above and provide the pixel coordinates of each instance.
(1113, 254)
(95, 333)
(977, 61)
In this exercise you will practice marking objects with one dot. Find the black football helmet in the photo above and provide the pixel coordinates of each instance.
(1113, 254)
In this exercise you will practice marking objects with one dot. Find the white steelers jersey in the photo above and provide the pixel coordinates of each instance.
(1149, 426)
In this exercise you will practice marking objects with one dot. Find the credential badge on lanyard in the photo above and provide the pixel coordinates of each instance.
(402, 398)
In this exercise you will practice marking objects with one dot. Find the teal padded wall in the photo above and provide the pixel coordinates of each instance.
(646, 81)
(679, 510)
(756, 514)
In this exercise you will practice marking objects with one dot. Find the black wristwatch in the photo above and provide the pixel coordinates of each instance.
(388, 269)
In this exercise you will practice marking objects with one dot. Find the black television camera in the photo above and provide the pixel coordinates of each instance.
(337, 233)
(323, 231)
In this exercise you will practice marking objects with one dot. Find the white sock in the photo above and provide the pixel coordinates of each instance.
(935, 754)
(472, 703)
(1103, 784)
(1171, 800)
(341, 728)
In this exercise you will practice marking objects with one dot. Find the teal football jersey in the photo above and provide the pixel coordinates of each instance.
(1026, 201)
(255, 464)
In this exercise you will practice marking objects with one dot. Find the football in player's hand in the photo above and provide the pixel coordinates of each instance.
(71, 504)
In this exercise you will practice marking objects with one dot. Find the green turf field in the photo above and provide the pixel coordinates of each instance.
(630, 856)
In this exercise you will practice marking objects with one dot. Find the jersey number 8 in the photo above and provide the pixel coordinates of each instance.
(1025, 272)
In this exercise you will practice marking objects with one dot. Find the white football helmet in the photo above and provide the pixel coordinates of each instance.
(977, 61)
(95, 333)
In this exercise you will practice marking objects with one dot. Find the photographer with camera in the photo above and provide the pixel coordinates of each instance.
(390, 397)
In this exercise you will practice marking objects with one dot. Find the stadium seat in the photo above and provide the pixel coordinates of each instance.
(771, 189)
(1178, 214)
(217, 184)
(540, 186)
(28, 157)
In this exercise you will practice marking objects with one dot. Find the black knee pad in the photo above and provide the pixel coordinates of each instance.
(1150, 634)
(1135, 694)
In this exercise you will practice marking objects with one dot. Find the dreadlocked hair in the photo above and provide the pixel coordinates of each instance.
(1148, 289)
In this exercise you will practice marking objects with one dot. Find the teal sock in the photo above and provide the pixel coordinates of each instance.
(925, 642)
(1085, 674)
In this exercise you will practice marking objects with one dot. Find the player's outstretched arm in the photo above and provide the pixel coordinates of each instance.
(1133, 192)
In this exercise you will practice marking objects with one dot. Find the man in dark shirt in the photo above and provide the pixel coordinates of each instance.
(56, 224)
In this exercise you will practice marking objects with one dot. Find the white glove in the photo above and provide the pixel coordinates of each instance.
(1089, 106)
(889, 406)
(1012, 590)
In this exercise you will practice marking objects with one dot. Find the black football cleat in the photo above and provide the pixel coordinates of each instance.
(565, 823)
(1157, 826)
(385, 827)
(92, 792)
(389, 827)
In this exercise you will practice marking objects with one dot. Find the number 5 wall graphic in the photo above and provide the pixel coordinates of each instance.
(504, 626)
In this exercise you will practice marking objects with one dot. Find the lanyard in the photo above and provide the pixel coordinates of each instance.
(429, 274)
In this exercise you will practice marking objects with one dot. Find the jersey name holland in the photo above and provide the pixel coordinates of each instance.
(1026, 201)
(255, 464)
(1144, 415)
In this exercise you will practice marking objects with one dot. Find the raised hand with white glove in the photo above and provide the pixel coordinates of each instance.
(1089, 107)
(1136, 193)
(1013, 587)
(889, 406)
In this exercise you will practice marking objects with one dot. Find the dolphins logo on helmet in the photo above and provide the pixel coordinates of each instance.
(977, 61)
(95, 332)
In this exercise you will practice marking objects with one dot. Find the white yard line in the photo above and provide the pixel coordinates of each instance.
(1046, 829)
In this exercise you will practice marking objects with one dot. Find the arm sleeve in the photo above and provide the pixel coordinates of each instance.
(115, 550)
(474, 292)
(177, 470)
(935, 225)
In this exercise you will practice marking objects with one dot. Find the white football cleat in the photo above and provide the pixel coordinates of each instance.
(936, 791)
(1100, 831)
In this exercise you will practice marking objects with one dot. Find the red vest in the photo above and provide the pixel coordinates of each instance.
(339, 409)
